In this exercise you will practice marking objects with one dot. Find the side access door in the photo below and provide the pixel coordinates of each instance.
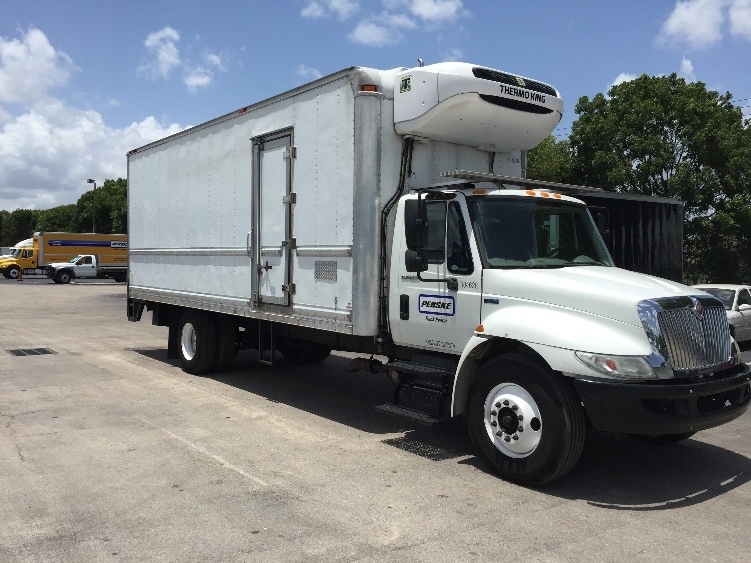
(272, 203)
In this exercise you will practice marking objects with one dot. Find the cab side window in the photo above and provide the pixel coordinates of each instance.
(459, 256)
(87, 260)
(447, 237)
(744, 298)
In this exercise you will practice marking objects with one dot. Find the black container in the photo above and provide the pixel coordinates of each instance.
(643, 233)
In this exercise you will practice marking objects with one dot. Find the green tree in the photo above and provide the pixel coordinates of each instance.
(63, 218)
(18, 225)
(104, 208)
(550, 161)
(662, 136)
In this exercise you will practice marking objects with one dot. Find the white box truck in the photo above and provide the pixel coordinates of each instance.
(385, 212)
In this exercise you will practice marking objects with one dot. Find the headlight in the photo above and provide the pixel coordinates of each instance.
(632, 367)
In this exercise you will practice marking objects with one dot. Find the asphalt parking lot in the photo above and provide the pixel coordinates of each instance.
(109, 452)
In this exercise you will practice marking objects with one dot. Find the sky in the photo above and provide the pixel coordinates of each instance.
(83, 82)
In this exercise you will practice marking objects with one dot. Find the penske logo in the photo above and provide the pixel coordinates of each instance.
(444, 305)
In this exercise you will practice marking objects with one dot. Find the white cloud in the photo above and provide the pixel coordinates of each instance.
(698, 24)
(164, 57)
(385, 28)
(437, 10)
(453, 55)
(48, 148)
(740, 18)
(31, 67)
(687, 70)
(621, 78)
(342, 9)
(47, 153)
(163, 53)
(373, 34)
(308, 73)
(695, 23)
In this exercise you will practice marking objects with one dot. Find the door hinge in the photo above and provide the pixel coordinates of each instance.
(291, 198)
(289, 288)
(291, 153)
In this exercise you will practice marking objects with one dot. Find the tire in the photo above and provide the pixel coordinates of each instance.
(226, 343)
(12, 272)
(196, 342)
(6, 275)
(64, 276)
(668, 439)
(301, 352)
(537, 414)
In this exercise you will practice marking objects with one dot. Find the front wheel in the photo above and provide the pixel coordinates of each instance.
(525, 421)
(64, 277)
(13, 272)
(197, 342)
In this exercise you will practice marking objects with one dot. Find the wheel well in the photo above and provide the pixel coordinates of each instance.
(482, 354)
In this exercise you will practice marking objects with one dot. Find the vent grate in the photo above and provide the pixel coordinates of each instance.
(513, 80)
(31, 352)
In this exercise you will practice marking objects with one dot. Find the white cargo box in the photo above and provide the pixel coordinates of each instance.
(274, 211)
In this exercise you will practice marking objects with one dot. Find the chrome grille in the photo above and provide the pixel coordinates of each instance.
(695, 343)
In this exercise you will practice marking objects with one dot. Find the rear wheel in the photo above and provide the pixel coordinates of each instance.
(197, 338)
(525, 421)
(12, 272)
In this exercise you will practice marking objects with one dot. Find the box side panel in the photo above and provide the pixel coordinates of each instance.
(322, 217)
(190, 211)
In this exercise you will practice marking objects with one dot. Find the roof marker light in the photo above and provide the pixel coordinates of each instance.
(544, 194)
(478, 192)
(480, 328)
(531, 192)
(368, 88)
(557, 196)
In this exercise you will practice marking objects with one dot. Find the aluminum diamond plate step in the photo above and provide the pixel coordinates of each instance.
(412, 414)
(417, 369)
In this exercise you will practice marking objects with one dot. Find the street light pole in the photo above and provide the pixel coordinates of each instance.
(93, 213)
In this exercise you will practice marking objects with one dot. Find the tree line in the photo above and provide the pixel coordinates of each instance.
(103, 210)
(655, 135)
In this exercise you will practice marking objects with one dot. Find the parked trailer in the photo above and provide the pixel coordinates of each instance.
(383, 212)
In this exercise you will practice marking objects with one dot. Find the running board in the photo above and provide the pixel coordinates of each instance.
(404, 412)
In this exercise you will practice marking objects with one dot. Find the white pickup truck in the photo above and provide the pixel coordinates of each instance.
(85, 266)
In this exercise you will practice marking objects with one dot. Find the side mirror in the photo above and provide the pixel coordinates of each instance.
(413, 262)
(415, 224)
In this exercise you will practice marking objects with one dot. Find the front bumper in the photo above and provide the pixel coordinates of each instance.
(666, 406)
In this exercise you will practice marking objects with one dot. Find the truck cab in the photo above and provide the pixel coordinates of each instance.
(513, 294)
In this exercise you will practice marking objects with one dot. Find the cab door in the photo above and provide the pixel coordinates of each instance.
(429, 314)
(273, 199)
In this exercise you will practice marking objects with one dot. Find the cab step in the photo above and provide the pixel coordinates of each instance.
(405, 412)
(411, 368)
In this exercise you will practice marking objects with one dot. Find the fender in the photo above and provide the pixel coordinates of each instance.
(554, 333)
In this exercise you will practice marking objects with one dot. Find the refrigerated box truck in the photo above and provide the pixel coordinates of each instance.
(384, 212)
(49, 248)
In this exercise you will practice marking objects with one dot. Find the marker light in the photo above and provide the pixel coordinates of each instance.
(531, 192)
(478, 192)
(368, 88)
(480, 328)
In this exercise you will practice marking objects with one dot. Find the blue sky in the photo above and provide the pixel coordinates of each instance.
(83, 82)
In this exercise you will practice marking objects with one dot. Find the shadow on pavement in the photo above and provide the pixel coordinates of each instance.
(629, 474)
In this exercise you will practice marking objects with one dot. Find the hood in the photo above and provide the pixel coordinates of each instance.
(599, 290)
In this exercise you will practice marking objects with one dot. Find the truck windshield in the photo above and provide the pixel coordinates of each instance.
(74, 259)
(15, 252)
(530, 232)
